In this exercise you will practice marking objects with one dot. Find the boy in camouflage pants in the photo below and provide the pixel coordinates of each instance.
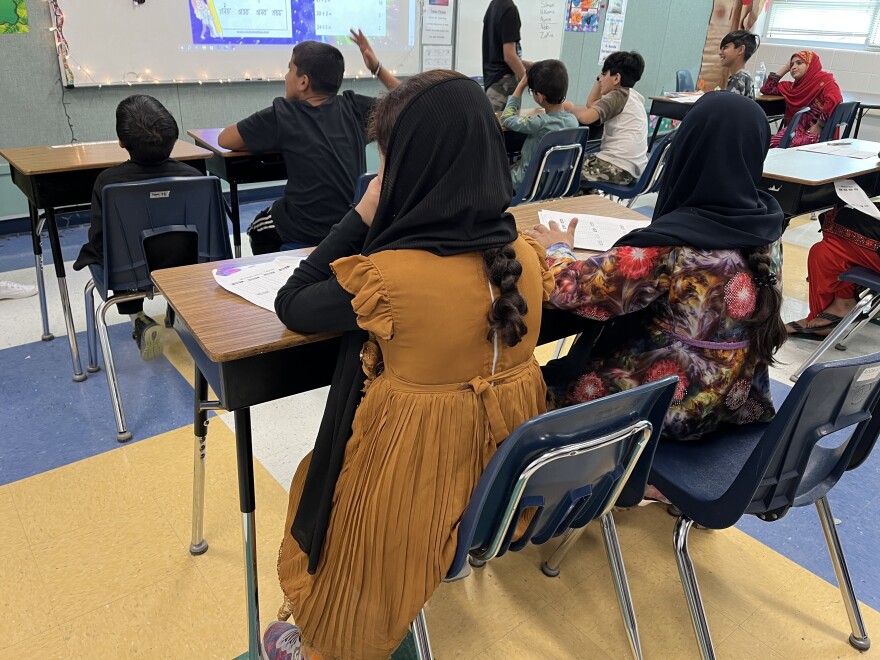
(596, 169)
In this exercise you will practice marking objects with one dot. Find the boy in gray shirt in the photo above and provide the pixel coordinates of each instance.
(548, 82)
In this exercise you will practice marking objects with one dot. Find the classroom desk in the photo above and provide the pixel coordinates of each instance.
(867, 102)
(803, 181)
(248, 357)
(236, 167)
(64, 175)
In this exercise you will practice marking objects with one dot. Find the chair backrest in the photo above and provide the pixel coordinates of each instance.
(791, 128)
(361, 186)
(649, 181)
(571, 464)
(684, 81)
(131, 210)
(555, 169)
(844, 115)
(788, 467)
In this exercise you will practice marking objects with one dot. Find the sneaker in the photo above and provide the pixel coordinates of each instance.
(147, 335)
(282, 641)
(9, 290)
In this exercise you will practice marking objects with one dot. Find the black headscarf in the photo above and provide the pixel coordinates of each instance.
(446, 188)
(708, 192)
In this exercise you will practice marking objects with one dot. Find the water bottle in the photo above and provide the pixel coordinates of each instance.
(760, 77)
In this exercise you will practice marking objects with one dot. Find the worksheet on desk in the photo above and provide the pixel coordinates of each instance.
(258, 283)
(593, 232)
(838, 149)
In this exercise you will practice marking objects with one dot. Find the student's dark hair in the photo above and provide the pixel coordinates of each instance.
(502, 266)
(765, 328)
(629, 64)
(743, 38)
(550, 78)
(146, 128)
(322, 63)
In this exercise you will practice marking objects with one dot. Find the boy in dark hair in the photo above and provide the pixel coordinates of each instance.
(614, 103)
(148, 132)
(548, 82)
(321, 135)
(737, 48)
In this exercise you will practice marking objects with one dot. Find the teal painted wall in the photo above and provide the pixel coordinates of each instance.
(31, 110)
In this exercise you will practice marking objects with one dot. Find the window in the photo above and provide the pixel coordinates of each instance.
(833, 22)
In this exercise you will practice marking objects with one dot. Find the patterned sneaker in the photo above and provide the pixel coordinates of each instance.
(281, 641)
(9, 290)
(147, 335)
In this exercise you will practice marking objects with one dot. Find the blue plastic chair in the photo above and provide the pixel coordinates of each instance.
(791, 128)
(571, 466)
(648, 182)
(764, 469)
(361, 187)
(555, 170)
(867, 305)
(684, 81)
(158, 223)
(844, 115)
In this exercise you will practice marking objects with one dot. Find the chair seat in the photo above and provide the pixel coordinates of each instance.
(615, 189)
(693, 475)
(865, 277)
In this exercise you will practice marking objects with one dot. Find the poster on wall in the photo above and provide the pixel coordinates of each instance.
(437, 22)
(612, 35)
(13, 17)
(582, 15)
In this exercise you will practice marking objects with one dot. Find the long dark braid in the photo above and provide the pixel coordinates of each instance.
(506, 314)
(766, 328)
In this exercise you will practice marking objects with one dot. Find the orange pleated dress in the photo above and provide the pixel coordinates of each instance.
(422, 436)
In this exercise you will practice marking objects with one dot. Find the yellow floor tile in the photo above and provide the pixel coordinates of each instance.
(24, 604)
(49, 644)
(174, 618)
(740, 645)
(794, 271)
(12, 536)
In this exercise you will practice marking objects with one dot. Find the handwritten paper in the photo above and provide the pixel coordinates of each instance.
(851, 193)
(258, 283)
(838, 149)
(593, 232)
(551, 18)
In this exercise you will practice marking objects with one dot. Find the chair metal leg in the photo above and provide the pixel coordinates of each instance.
(691, 587)
(420, 634)
(621, 585)
(551, 567)
(859, 637)
(870, 314)
(833, 336)
(91, 333)
(36, 238)
(560, 346)
(122, 432)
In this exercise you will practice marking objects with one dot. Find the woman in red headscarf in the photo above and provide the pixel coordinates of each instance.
(813, 88)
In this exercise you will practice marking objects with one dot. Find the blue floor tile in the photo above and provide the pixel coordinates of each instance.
(50, 421)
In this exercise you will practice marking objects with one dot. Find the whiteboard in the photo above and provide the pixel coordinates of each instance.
(122, 42)
(543, 24)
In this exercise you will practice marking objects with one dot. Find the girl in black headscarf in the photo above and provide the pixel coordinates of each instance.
(440, 304)
(693, 294)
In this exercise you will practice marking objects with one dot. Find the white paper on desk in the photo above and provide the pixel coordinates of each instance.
(838, 149)
(851, 193)
(258, 283)
(594, 232)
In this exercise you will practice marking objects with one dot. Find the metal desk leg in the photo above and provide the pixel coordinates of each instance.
(198, 545)
(36, 231)
(654, 134)
(246, 496)
(58, 258)
(236, 219)
(861, 113)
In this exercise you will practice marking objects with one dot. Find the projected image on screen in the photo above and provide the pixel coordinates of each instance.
(273, 22)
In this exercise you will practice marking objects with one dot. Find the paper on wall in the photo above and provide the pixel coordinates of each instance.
(258, 283)
(593, 232)
(851, 193)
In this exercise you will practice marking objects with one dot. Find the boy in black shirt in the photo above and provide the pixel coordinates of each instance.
(503, 65)
(148, 132)
(320, 134)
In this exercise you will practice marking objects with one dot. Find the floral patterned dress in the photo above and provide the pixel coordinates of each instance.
(696, 303)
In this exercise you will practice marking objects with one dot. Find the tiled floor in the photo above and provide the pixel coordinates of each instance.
(94, 536)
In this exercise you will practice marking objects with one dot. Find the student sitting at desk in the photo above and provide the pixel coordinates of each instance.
(614, 103)
(813, 88)
(148, 132)
(371, 525)
(547, 80)
(321, 135)
(737, 48)
(693, 294)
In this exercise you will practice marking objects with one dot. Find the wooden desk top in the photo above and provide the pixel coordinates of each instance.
(207, 138)
(228, 327)
(813, 169)
(86, 156)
